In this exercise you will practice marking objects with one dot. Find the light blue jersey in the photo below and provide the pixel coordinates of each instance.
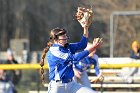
(61, 59)
(86, 64)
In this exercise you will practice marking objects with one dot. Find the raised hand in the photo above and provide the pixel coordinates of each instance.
(84, 16)
(97, 42)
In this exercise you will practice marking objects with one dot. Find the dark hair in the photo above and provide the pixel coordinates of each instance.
(53, 36)
(57, 32)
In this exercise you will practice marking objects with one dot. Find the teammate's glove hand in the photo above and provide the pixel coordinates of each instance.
(99, 78)
(84, 16)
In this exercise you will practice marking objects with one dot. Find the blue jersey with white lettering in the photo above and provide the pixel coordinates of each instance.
(86, 64)
(61, 59)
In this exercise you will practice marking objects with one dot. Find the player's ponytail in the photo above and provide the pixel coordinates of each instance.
(42, 62)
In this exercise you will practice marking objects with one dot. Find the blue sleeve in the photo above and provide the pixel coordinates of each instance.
(80, 55)
(96, 67)
(59, 57)
(79, 45)
(78, 67)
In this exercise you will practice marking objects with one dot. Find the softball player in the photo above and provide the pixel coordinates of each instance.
(61, 57)
(81, 67)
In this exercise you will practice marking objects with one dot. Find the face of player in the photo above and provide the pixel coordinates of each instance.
(62, 40)
(135, 48)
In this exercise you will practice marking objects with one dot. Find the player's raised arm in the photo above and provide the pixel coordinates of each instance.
(84, 17)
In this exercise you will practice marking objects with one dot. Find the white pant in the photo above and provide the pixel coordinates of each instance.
(6, 87)
(83, 80)
(71, 87)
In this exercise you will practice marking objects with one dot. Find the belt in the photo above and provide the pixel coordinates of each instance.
(64, 81)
